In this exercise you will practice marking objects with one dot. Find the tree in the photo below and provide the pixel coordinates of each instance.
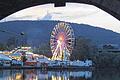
(43, 49)
(83, 49)
(3, 46)
(11, 43)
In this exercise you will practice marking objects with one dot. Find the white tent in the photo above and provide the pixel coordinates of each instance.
(43, 59)
(4, 57)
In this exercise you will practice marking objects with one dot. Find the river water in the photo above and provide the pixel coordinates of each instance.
(36, 74)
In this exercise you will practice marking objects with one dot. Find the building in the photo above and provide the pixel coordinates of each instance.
(111, 48)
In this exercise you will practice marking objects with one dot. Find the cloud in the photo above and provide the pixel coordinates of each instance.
(48, 16)
(72, 12)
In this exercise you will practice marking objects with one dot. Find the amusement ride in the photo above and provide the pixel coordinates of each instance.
(62, 41)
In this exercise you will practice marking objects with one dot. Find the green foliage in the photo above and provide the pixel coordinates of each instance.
(83, 49)
(24, 58)
(43, 49)
(11, 43)
(107, 60)
(3, 47)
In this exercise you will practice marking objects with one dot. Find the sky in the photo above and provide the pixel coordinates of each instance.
(72, 12)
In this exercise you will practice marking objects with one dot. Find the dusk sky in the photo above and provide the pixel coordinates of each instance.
(72, 12)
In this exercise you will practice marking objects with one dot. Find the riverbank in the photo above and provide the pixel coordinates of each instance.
(48, 68)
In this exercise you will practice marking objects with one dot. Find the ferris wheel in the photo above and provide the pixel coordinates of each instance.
(62, 41)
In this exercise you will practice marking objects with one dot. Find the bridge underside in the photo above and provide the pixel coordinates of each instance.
(8, 7)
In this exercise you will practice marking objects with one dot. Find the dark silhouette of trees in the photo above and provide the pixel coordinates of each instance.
(43, 49)
(3, 47)
(16, 41)
(83, 49)
(11, 43)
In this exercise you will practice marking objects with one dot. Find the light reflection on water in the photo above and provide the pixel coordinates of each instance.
(32, 74)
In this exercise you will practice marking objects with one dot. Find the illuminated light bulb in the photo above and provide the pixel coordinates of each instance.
(61, 38)
(58, 41)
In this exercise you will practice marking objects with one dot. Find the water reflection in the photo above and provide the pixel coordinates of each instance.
(32, 74)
